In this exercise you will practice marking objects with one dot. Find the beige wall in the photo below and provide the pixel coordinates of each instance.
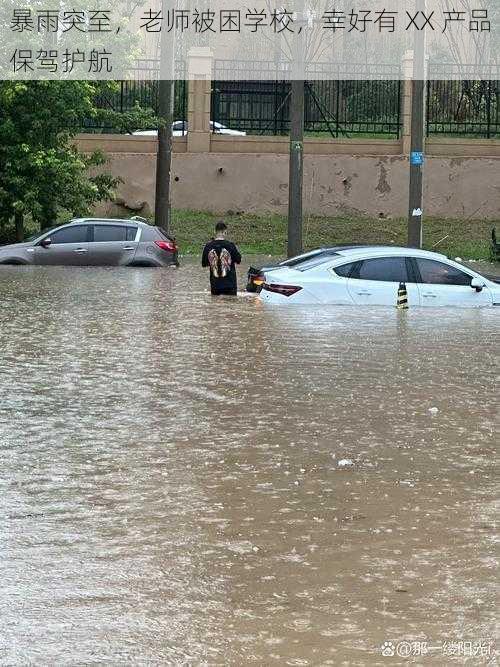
(335, 182)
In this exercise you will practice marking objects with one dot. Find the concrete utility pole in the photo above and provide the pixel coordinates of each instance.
(415, 199)
(296, 171)
(296, 160)
(165, 115)
(164, 155)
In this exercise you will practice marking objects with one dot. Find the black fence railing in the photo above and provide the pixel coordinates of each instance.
(463, 108)
(332, 108)
(140, 92)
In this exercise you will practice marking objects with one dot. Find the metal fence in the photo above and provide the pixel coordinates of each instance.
(463, 108)
(137, 91)
(331, 108)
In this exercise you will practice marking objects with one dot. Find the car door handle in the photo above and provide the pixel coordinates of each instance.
(128, 247)
(428, 295)
(364, 293)
(80, 250)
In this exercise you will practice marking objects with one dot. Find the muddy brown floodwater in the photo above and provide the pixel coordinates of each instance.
(170, 487)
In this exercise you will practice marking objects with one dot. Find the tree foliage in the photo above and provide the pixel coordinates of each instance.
(41, 171)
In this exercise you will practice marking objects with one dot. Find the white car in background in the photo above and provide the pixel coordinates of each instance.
(370, 276)
(180, 128)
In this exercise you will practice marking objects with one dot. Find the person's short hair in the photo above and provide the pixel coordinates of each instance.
(220, 226)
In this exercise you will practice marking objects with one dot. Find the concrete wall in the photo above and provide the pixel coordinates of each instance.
(462, 178)
(342, 176)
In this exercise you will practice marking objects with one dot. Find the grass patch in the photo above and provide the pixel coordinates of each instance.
(266, 233)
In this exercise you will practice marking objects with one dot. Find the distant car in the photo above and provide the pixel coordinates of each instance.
(218, 128)
(255, 276)
(180, 128)
(95, 242)
(370, 276)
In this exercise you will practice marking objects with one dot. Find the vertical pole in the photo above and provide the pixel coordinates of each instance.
(164, 155)
(415, 204)
(416, 170)
(296, 160)
(337, 85)
(275, 108)
(165, 116)
(295, 181)
(399, 108)
(488, 109)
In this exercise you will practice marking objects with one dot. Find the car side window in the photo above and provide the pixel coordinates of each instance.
(387, 269)
(437, 273)
(106, 233)
(345, 270)
(71, 234)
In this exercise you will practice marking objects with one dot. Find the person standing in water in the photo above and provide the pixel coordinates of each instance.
(221, 256)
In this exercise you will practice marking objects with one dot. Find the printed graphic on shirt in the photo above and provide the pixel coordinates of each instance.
(213, 260)
(225, 262)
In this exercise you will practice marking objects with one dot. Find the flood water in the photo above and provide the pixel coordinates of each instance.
(170, 487)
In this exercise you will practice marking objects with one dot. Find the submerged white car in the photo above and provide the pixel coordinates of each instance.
(371, 275)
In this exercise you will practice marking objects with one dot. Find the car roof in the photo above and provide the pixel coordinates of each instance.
(113, 221)
(355, 252)
(323, 250)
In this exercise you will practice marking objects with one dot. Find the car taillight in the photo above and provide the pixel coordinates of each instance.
(286, 290)
(169, 246)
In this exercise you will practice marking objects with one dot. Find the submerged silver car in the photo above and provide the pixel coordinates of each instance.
(95, 242)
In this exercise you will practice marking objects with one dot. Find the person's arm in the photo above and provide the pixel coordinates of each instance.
(236, 255)
(204, 256)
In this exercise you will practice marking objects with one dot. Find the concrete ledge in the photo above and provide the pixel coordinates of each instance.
(446, 147)
(124, 143)
(436, 146)
(312, 146)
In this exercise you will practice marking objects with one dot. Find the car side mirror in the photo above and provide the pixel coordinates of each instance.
(45, 243)
(477, 284)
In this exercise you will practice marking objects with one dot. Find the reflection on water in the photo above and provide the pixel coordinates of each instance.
(170, 488)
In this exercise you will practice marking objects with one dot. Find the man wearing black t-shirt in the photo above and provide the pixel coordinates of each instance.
(221, 256)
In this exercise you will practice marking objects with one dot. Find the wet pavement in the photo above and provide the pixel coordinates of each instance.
(174, 485)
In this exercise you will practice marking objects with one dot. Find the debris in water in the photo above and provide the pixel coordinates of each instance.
(433, 411)
(345, 463)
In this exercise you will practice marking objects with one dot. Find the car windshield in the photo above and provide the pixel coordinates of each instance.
(39, 235)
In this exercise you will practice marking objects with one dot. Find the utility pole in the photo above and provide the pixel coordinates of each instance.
(296, 162)
(415, 198)
(296, 159)
(165, 115)
(164, 155)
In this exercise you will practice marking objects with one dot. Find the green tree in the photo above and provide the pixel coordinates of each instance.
(41, 171)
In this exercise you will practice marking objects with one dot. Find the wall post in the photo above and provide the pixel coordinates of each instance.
(200, 62)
